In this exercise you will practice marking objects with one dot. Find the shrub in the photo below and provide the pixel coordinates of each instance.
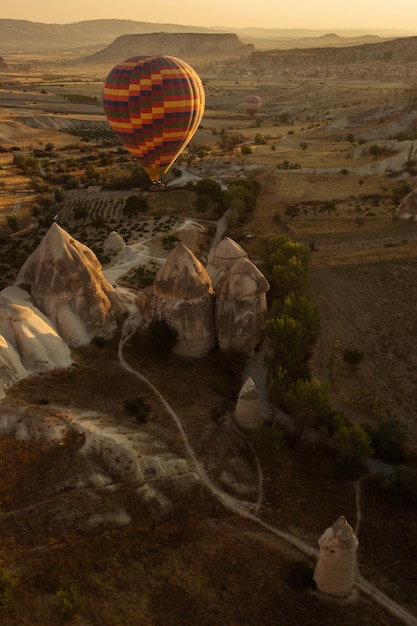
(163, 335)
(139, 407)
(270, 438)
(353, 358)
(8, 581)
(67, 603)
(402, 485)
(390, 438)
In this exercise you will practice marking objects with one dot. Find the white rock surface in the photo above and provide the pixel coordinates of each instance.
(66, 282)
(225, 255)
(182, 295)
(248, 412)
(29, 343)
(114, 243)
(335, 568)
(240, 304)
(408, 207)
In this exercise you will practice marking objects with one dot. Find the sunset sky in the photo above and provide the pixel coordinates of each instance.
(314, 14)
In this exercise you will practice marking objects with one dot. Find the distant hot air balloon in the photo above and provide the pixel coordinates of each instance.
(252, 104)
(154, 104)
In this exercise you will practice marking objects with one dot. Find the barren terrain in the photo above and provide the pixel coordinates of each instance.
(163, 548)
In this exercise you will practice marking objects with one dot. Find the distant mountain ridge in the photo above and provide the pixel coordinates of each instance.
(188, 46)
(26, 36)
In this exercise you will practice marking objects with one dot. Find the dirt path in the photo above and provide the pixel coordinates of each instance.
(247, 510)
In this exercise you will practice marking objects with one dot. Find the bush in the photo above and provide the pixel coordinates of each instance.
(270, 438)
(165, 337)
(139, 407)
(402, 485)
(8, 581)
(67, 603)
(353, 358)
(390, 437)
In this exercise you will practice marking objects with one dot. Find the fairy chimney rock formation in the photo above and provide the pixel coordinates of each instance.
(28, 342)
(248, 407)
(182, 295)
(225, 255)
(65, 280)
(240, 304)
(114, 243)
(334, 573)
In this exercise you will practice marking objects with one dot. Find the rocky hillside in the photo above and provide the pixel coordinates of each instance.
(26, 36)
(188, 46)
(401, 51)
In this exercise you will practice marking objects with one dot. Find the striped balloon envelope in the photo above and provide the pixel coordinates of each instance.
(252, 104)
(155, 105)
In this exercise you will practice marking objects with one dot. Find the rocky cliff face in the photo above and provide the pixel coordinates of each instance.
(183, 296)
(187, 46)
(66, 283)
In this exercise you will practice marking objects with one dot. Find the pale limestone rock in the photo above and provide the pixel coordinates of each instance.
(335, 568)
(240, 304)
(248, 412)
(28, 342)
(114, 243)
(65, 280)
(408, 207)
(225, 255)
(182, 295)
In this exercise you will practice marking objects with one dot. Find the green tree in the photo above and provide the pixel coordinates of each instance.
(302, 309)
(353, 445)
(292, 211)
(135, 204)
(286, 337)
(67, 603)
(353, 357)
(329, 206)
(8, 582)
(390, 437)
(286, 265)
(309, 403)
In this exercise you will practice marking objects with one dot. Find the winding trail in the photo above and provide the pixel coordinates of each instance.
(243, 508)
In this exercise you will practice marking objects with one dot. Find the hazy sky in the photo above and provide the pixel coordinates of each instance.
(319, 14)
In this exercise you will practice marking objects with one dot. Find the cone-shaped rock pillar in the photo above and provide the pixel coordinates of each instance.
(225, 255)
(248, 407)
(66, 282)
(335, 568)
(240, 304)
(182, 295)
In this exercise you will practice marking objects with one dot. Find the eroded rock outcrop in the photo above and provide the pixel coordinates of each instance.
(335, 569)
(182, 295)
(240, 304)
(65, 280)
(248, 412)
(29, 343)
(225, 255)
(114, 243)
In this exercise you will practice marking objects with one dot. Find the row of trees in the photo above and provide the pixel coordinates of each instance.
(292, 327)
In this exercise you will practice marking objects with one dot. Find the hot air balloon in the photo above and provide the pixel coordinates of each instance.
(252, 104)
(154, 104)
